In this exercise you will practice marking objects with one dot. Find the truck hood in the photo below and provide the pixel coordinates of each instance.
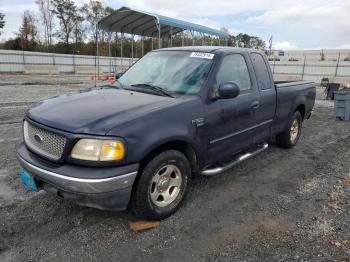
(95, 112)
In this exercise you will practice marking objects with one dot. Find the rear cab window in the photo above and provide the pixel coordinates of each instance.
(261, 71)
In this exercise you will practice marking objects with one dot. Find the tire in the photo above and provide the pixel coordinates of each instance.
(162, 186)
(288, 138)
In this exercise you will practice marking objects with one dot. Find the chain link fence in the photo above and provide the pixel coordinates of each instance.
(51, 63)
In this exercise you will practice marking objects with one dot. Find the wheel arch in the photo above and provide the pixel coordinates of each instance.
(180, 145)
(301, 109)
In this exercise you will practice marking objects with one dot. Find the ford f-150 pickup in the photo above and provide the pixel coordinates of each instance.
(174, 113)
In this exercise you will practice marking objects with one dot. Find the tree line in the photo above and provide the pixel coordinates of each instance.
(62, 26)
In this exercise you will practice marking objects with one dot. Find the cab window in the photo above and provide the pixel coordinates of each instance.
(234, 69)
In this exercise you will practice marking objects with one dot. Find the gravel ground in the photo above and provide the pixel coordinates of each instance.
(282, 205)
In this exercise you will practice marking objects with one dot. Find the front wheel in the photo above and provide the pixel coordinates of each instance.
(162, 186)
(290, 137)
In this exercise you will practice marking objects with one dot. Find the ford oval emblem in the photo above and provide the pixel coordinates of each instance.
(38, 138)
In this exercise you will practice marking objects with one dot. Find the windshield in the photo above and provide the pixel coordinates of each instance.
(179, 72)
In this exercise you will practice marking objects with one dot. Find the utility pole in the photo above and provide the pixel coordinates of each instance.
(270, 45)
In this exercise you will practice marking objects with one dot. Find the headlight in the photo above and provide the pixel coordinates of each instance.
(98, 150)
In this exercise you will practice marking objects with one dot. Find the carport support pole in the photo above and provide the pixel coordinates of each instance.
(141, 45)
(96, 54)
(110, 53)
(171, 36)
(183, 38)
(132, 49)
(159, 37)
(121, 51)
(115, 53)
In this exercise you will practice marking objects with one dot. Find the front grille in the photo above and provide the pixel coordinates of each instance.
(46, 143)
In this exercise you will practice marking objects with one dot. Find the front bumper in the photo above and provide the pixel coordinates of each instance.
(100, 187)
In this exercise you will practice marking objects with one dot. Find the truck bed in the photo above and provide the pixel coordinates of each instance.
(290, 94)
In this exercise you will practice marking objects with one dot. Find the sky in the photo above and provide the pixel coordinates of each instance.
(294, 24)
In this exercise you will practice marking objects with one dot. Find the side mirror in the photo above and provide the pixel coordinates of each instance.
(118, 75)
(228, 90)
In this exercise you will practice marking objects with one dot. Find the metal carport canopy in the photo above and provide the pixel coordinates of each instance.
(130, 21)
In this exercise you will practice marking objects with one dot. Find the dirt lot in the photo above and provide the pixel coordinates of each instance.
(283, 205)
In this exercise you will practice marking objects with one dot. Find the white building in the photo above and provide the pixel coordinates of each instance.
(312, 55)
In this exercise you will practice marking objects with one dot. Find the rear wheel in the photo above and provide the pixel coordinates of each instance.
(290, 137)
(162, 186)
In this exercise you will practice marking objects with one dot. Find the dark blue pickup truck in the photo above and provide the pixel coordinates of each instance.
(175, 113)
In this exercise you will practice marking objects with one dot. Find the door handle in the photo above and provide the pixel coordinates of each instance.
(255, 104)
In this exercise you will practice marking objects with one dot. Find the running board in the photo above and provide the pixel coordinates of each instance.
(239, 159)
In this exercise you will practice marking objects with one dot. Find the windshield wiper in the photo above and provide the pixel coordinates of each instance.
(154, 88)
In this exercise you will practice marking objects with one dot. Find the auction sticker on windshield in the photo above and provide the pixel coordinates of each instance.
(202, 55)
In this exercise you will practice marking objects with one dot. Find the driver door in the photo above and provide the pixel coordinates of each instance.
(230, 121)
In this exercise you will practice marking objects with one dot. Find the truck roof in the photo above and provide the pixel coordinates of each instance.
(209, 49)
